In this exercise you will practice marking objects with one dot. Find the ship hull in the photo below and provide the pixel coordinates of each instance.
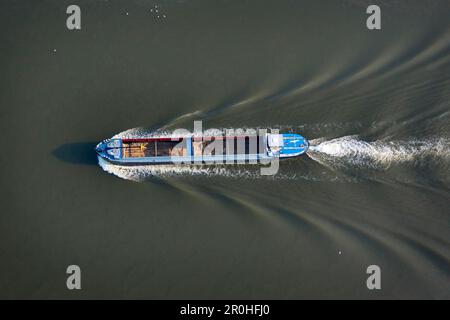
(203, 150)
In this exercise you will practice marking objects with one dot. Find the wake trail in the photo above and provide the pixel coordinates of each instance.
(349, 151)
(143, 172)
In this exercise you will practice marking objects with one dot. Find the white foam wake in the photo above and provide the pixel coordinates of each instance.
(141, 133)
(349, 150)
(143, 172)
(140, 173)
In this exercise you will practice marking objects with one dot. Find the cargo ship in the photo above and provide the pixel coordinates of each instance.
(198, 150)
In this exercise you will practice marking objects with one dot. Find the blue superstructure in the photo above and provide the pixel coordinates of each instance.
(293, 145)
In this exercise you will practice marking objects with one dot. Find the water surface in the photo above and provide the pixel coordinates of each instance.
(374, 188)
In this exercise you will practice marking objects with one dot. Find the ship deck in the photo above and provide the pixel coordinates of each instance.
(143, 148)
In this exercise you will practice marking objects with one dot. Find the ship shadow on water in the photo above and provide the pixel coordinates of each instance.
(77, 153)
